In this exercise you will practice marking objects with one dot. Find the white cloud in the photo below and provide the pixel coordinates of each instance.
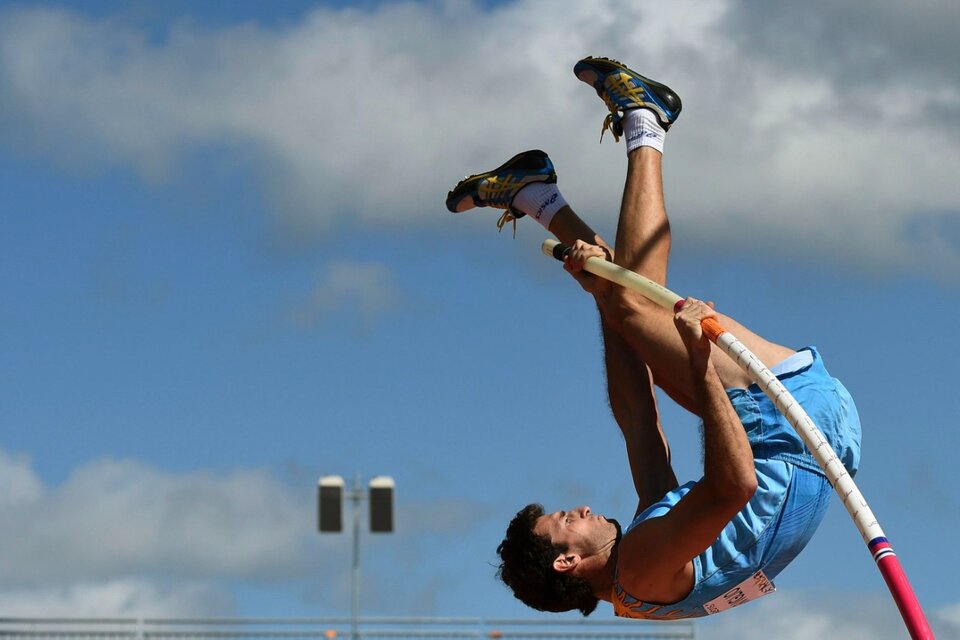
(373, 115)
(366, 289)
(117, 598)
(114, 519)
(949, 618)
(121, 537)
(18, 481)
(825, 614)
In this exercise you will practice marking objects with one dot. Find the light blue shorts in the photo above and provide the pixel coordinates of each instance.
(825, 400)
(783, 462)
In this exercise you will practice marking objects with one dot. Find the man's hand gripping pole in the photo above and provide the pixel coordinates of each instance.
(626, 278)
(816, 442)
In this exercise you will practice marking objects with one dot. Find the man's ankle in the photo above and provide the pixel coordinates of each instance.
(642, 129)
(539, 200)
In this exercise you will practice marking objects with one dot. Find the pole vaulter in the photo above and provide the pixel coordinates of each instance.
(843, 484)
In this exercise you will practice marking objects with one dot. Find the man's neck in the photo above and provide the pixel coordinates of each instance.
(603, 576)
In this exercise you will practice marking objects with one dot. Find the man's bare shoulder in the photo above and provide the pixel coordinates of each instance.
(641, 569)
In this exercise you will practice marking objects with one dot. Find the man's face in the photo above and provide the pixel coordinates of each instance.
(583, 532)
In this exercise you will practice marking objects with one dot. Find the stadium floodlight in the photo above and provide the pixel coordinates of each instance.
(330, 496)
(330, 504)
(381, 504)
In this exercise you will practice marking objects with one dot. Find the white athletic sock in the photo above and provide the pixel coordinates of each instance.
(642, 129)
(540, 201)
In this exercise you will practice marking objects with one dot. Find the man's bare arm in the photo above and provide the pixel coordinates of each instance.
(660, 549)
(728, 459)
(630, 390)
(634, 407)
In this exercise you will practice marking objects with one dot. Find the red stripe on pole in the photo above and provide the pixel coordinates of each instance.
(903, 595)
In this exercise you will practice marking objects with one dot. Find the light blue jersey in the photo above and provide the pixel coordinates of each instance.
(791, 499)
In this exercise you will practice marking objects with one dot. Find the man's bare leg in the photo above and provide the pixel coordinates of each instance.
(568, 227)
(634, 406)
(629, 384)
(643, 246)
(642, 110)
(629, 387)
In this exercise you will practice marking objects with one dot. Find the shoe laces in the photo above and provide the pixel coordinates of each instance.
(505, 219)
(612, 121)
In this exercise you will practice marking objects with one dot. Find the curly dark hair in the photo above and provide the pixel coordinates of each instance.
(526, 566)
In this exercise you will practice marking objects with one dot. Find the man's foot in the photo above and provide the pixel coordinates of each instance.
(498, 187)
(622, 89)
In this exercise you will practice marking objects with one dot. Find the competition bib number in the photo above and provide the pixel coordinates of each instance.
(754, 587)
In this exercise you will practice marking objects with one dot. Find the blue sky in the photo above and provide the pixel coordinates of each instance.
(229, 271)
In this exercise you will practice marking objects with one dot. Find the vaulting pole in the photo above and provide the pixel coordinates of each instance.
(836, 473)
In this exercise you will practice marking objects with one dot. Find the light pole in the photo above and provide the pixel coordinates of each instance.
(330, 495)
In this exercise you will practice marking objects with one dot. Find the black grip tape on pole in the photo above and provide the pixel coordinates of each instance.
(560, 251)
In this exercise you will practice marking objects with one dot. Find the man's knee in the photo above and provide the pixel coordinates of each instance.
(621, 304)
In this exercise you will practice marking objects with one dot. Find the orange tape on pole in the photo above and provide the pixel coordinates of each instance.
(712, 328)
